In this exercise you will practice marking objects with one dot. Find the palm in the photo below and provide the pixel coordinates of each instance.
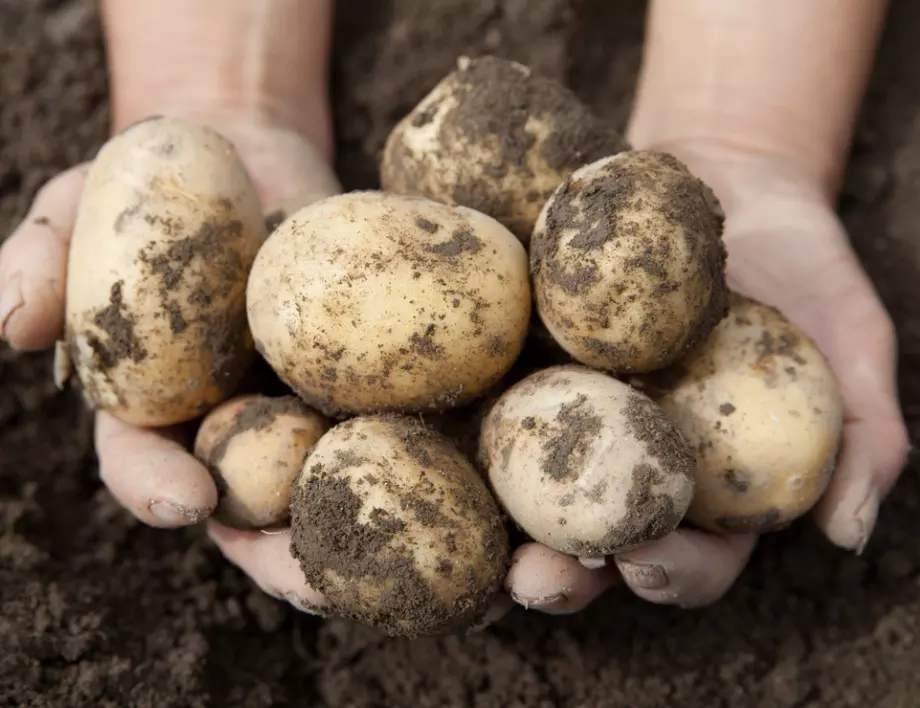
(791, 252)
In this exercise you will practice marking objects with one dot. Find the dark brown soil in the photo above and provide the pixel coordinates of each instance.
(96, 610)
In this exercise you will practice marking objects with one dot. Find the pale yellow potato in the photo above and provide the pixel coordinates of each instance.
(396, 529)
(495, 137)
(586, 464)
(628, 263)
(762, 408)
(373, 302)
(167, 229)
(254, 446)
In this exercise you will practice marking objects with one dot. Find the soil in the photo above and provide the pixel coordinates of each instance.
(97, 610)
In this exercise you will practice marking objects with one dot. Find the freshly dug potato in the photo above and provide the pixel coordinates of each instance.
(628, 263)
(497, 138)
(395, 527)
(167, 229)
(255, 447)
(372, 302)
(762, 408)
(585, 464)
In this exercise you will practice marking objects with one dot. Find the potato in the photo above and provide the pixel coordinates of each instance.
(396, 529)
(762, 408)
(167, 229)
(628, 263)
(585, 464)
(497, 138)
(372, 302)
(255, 447)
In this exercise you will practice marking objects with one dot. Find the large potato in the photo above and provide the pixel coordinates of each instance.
(495, 137)
(374, 302)
(628, 263)
(396, 529)
(584, 463)
(167, 229)
(762, 408)
(254, 446)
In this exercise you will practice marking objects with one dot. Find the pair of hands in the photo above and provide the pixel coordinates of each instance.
(786, 248)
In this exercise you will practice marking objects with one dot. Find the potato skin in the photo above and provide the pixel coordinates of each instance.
(396, 529)
(167, 229)
(371, 302)
(762, 408)
(254, 447)
(584, 463)
(495, 137)
(628, 263)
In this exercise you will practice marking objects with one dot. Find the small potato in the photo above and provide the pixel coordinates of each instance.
(395, 527)
(628, 263)
(168, 226)
(585, 464)
(372, 302)
(255, 447)
(761, 406)
(497, 138)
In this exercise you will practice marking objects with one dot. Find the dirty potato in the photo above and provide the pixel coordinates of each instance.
(585, 464)
(373, 302)
(628, 263)
(167, 229)
(495, 137)
(762, 408)
(396, 529)
(254, 447)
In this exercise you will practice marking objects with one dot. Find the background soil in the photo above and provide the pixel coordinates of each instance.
(98, 610)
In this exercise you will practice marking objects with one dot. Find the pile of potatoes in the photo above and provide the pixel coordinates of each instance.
(528, 325)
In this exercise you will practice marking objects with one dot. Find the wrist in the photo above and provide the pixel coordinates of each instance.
(767, 81)
(229, 62)
(740, 175)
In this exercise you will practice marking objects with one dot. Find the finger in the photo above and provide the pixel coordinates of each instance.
(267, 559)
(33, 265)
(552, 582)
(687, 568)
(848, 510)
(152, 475)
(875, 440)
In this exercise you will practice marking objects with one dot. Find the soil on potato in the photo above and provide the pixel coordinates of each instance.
(97, 610)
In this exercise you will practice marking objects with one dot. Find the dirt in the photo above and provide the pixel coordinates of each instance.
(566, 447)
(97, 610)
(119, 329)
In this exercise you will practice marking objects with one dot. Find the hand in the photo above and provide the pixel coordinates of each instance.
(787, 249)
(150, 472)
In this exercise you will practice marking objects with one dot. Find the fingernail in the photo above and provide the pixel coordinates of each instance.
(648, 576)
(854, 531)
(302, 605)
(540, 603)
(10, 301)
(177, 514)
